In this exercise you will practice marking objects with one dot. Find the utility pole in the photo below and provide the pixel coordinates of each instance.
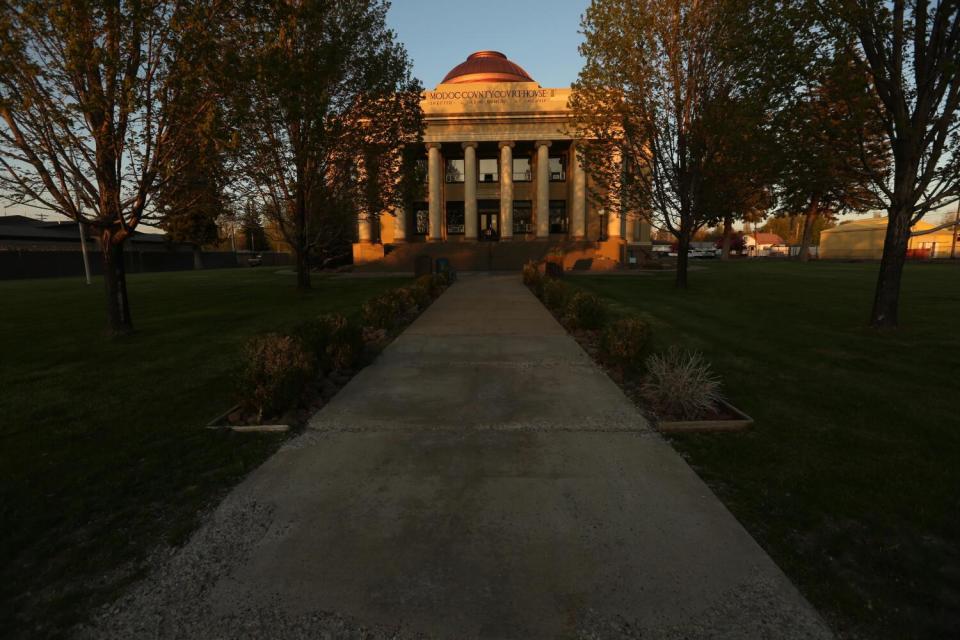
(83, 249)
(83, 238)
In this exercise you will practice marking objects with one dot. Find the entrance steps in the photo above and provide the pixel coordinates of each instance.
(577, 255)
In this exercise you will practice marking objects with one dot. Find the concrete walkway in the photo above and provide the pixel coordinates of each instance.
(483, 479)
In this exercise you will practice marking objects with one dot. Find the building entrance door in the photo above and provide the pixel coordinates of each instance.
(489, 220)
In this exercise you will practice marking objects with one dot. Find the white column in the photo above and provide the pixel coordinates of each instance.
(543, 188)
(364, 219)
(435, 184)
(506, 190)
(400, 224)
(578, 214)
(630, 228)
(614, 219)
(613, 223)
(364, 230)
(470, 190)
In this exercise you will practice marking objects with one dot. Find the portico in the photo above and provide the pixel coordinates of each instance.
(501, 164)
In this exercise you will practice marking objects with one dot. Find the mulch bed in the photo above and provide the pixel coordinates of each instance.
(724, 417)
(321, 389)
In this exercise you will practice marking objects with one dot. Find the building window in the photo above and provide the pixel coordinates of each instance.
(421, 217)
(455, 220)
(558, 169)
(558, 216)
(521, 170)
(455, 170)
(522, 217)
(489, 170)
(421, 170)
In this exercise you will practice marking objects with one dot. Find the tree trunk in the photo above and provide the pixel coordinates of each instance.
(683, 252)
(809, 220)
(119, 322)
(197, 257)
(303, 247)
(727, 237)
(303, 266)
(887, 297)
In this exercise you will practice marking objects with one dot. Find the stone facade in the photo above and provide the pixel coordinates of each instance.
(501, 165)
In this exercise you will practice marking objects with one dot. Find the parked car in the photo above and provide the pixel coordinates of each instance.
(703, 253)
(255, 260)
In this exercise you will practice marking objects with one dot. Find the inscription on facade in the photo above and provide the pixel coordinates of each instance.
(489, 96)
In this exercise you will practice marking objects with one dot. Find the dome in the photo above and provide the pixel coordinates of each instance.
(486, 66)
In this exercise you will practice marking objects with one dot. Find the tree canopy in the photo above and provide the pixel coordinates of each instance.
(910, 52)
(322, 104)
(672, 103)
(85, 128)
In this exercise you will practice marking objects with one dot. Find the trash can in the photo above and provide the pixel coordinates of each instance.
(444, 268)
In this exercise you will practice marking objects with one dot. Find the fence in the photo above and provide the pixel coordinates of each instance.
(17, 264)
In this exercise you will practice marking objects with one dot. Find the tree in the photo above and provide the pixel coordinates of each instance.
(85, 130)
(191, 196)
(735, 243)
(324, 103)
(793, 228)
(192, 199)
(654, 100)
(910, 51)
(832, 145)
(251, 224)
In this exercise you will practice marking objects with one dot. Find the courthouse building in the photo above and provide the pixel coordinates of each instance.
(502, 166)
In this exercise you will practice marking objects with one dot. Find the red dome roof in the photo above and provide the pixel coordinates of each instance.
(486, 66)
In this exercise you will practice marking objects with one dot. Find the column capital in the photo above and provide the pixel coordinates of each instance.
(432, 145)
(542, 143)
(506, 143)
(468, 145)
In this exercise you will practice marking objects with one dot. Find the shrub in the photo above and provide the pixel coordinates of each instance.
(434, 284)
(533, 278)
(555, 294)
(406, 302)
(345, 346)
(586, 311)
(274, 371)
(382, 311)
(624, 341)
(680, 384)
(420, 294)
(317, 333)
(333, 341)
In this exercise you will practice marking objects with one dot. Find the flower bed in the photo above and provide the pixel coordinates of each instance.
(675, 389)
(284, 378)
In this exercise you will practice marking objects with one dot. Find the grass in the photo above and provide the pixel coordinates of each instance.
(850, 478)
(104, 455)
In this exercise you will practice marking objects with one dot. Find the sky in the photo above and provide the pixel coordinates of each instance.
(539, 35)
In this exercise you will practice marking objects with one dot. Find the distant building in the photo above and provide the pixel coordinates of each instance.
(35, 249)
(20, 233)
(863, 240)
(763, 244)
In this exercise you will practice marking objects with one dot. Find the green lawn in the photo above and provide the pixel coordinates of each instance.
(104, 454)
(850, 477)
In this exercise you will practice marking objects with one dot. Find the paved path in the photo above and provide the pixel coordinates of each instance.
(483, 479)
